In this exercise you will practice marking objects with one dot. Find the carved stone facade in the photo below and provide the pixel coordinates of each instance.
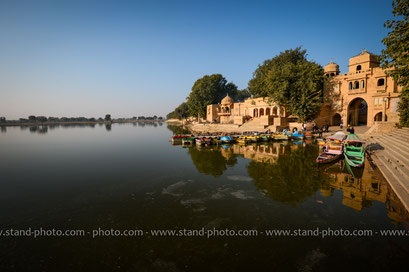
(362, 96)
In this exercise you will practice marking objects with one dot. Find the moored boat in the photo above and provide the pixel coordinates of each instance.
(333, 148)
(254, 138)
(177, 139)
(243, 140)
(188, 141)
(226, 139)
(283, 136)
(298, 136)
(265, 137)
(354, 151)
(325, 157)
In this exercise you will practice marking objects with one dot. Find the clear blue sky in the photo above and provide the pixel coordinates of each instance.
(131, 58)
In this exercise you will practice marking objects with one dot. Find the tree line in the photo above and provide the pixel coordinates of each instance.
(43, 119)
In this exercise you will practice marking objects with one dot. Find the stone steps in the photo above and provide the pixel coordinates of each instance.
(398, 162)
(395, 153)
(402, 134)
(390, 153)
(386, 143)
(395, 183)
(391, 140)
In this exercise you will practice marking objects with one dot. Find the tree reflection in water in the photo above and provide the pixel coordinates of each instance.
(178, 129)
(292, 177)
(210, 160)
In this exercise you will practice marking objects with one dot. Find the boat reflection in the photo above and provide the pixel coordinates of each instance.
(288, 173)
(360, 187)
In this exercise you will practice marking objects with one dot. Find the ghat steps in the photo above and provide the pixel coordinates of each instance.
(390, 152)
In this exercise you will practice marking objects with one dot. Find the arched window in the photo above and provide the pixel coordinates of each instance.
(275, 111)
(268, 111)
(332, 74)
(362, 84)
(356, 85)
(381, 82)
(350, 85)
(282, 112)
(227, 109)
(359, 68)
(261, 112)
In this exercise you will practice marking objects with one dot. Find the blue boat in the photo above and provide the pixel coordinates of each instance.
(298, 136)
(226, 139)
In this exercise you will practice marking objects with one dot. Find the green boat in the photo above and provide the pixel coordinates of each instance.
(354, 152)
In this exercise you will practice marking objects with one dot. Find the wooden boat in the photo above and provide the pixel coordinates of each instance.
(265, 137)
(321, 142)
(325, 157)
(254, 138)
(226, 139)
(333, 148)
(243, 140)
(298, 136)
(188, 141)
(354, 152)
(309, 135)
(283, 136)
(177, 139)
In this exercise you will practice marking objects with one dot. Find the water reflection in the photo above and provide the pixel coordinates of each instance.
(177, 129)
(288, 173)
(290, 176)
(360, 187)
(212, 160)
(3, 129)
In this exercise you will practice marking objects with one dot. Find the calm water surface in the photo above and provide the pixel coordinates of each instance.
(130, 177)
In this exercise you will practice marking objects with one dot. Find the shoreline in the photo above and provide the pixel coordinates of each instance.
(26, 124)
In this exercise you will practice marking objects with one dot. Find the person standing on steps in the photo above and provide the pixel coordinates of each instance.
(341, 124)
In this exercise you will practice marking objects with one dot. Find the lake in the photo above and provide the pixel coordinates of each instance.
(227, 204)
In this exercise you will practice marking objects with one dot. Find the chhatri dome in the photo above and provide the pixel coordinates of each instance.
(227, 100)
(331, 68)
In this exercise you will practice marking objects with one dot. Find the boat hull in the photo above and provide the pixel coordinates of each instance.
(328, 158)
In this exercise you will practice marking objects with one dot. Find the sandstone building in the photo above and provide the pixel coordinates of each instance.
(362, 96)
(252, 112)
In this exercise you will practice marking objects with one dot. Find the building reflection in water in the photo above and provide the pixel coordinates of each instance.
(361, 188)
(288, 173)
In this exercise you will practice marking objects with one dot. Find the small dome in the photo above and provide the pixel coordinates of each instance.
(227, 100)
(331, 68)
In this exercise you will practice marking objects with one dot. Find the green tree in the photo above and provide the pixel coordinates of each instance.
(41, 119)
(181, 112)
(108, 117)
(395, 57)
(208, 90)
(240, 95)
(292, 81)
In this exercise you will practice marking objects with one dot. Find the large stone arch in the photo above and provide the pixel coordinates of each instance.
(357, 113)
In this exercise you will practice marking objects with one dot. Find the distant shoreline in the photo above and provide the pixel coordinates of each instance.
(50, 123)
